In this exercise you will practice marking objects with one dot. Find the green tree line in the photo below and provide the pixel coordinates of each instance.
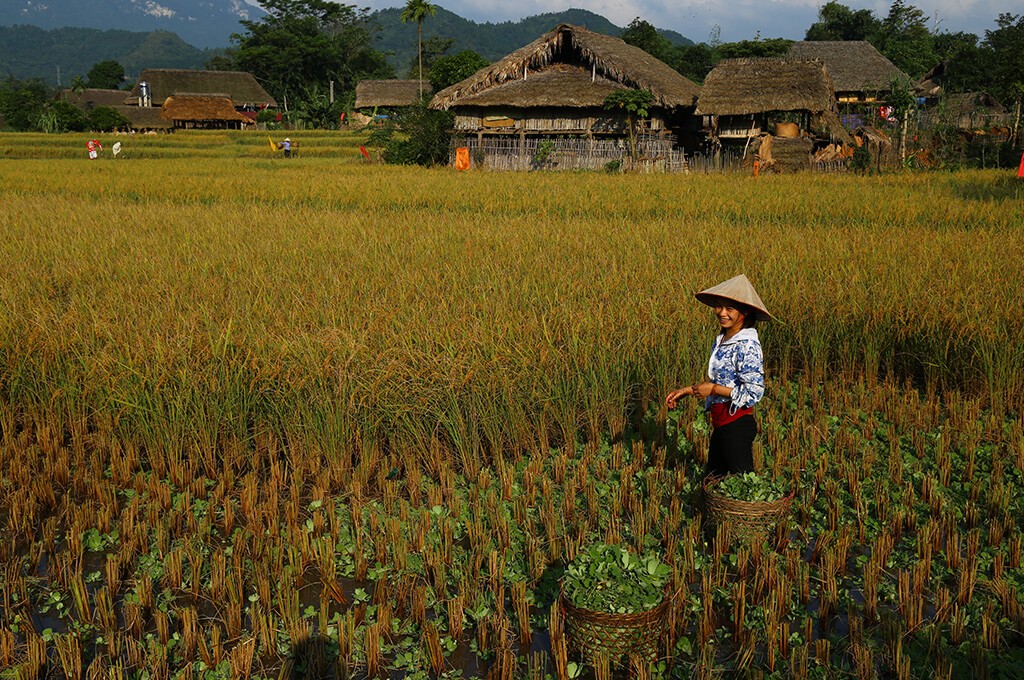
(301, 46)
(992, 63)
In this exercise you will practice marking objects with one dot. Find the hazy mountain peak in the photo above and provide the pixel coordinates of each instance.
(205, 23)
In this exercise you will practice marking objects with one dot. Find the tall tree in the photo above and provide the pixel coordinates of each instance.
(451, 69)
(905, 39)
(106, 75)
(644, 35)
(22, 102)
(836, 21)
(694, 61)
(300, 43)
(418, 11)
(434, 48)
(1006, 44)
(965, 65)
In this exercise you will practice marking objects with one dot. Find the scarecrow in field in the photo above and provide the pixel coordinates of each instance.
(286, 145)
(735, 376)
(94, 147)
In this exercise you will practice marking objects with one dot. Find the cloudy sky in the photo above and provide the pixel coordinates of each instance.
(738, 19)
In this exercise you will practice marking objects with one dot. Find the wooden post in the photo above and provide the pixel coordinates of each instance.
(903, 137)
(1016, 124)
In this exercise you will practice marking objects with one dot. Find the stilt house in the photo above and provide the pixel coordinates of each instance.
(790, 101)
(193, 112)
(246, 95)
(556, 86)
(859, 72)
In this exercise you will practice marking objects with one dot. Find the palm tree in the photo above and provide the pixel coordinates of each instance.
(78, 85)
(418, 11)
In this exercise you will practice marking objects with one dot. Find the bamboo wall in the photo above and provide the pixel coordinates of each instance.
(511, 153)
(551, 120)
(656, 154)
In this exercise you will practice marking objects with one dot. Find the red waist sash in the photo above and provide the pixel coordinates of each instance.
(720, 414)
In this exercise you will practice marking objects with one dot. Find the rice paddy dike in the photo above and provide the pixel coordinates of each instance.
(334, 419)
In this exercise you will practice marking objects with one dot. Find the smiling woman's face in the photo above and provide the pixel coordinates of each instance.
(730, 319)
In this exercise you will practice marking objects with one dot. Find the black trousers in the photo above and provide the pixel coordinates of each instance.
(731, 448)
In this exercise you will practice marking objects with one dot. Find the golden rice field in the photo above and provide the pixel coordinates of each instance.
(327, 418)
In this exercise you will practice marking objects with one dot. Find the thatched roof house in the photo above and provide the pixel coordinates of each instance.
(144, 118)
(201, 112)
(558, 84)
(743, 96)
(89, 98)
(736, 87)
(967, 103)
(371, 94)
(238, 86)
(859, 72)
(969, 111)
(139, 118)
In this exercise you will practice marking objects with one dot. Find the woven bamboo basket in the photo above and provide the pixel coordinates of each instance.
(597, 634)
(787, 130)
(746, 520)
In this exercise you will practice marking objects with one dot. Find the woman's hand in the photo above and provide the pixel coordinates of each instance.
(675, 395)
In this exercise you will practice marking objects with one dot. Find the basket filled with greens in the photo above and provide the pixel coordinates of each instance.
(749, 505)
(615, 603)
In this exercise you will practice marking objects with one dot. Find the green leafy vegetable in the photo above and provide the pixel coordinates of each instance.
(751, 487)
(608, 578)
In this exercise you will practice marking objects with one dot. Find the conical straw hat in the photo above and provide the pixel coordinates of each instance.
(737, 289)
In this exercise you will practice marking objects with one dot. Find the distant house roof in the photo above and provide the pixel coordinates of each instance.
(200, 109)
(745, 86)
(556, 85)
(972, 102)
(144, 117)
(239, 86)
(372, 93)
(90, 98)
(571, 67)
(854, 65)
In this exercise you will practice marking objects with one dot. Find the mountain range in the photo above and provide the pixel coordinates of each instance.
(204, 23)
(57, 56)
(492, 41)
(39, 43)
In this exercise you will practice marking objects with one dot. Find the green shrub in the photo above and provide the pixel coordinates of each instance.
(60, 116)
(861, 161)
(107, 119)
(416, 135)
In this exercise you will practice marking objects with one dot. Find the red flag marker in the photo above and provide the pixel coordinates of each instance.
(365, 153)
(1020, 172)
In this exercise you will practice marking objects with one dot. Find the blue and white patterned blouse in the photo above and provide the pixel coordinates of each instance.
(737, 363)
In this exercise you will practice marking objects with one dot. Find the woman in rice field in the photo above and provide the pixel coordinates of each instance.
(735, 376)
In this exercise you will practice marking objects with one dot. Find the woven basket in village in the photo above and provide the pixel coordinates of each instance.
(746, 520)
(597, 634)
